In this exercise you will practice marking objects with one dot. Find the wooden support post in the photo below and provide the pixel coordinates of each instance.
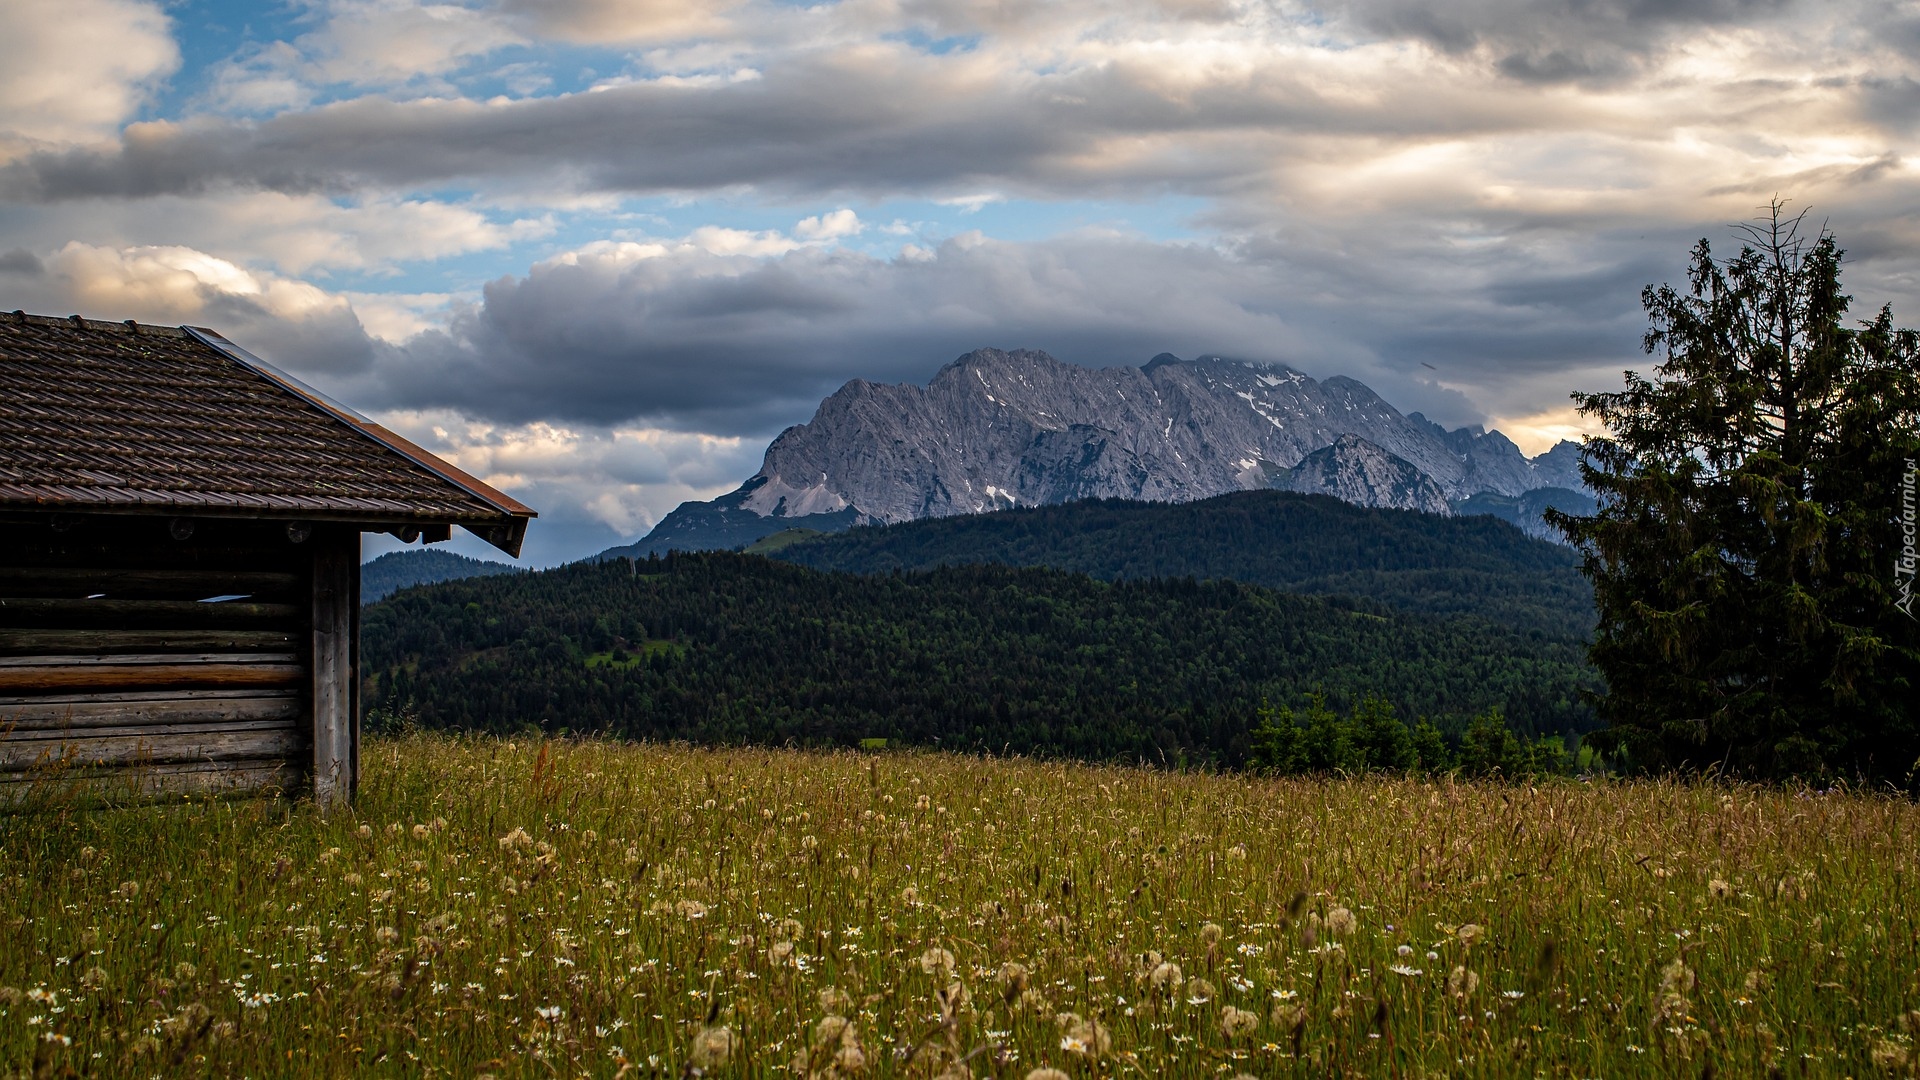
(336, 624)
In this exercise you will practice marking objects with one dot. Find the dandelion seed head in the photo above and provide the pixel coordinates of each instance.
(1012, 978)
(1470, 933)
(1889, 1055)
(1719, 889)
(1341, 923)
(712, 1048)
(1461, 983)
(1676, 977)
(955, 999)
(364, 832)
(1085, 1037)
(421, 832)
(831, 1029)
(1165, 978)
(1211, 933)
(1238, 1023)
(936, 961)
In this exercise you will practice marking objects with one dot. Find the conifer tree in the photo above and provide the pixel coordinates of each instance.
(1755, 499)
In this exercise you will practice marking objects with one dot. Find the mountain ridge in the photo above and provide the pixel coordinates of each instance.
(1405, 560)
(1001, 428)
(396, 570)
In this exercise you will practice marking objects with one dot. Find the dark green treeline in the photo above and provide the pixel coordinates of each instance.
(727, 648)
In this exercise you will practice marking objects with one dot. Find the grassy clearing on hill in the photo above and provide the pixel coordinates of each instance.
(597, 909)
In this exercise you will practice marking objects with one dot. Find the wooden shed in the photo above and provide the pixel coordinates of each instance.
(180, 562)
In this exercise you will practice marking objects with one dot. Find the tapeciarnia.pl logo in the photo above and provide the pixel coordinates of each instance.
(1903, 566)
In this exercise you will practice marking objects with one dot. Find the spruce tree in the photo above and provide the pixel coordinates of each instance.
(1755, 499)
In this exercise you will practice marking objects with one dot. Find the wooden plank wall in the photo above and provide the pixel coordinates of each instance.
(336, 683)
(121, 677)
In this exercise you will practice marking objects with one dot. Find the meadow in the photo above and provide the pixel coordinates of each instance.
(592, 908)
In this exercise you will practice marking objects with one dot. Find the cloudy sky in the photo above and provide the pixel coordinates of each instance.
(601, 251)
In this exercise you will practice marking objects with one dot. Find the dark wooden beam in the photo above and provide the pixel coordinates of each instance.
(336, 609)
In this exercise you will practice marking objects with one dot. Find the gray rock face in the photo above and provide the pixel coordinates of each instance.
(1559, 467)
(997, 429)
(1527, 511)
(1356, 471)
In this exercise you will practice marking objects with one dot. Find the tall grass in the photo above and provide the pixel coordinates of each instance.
(596, 909)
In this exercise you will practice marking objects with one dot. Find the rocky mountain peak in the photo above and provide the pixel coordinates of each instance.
(998, 428)
(1356, 471)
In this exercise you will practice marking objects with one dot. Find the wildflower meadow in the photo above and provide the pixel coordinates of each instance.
(598, 909)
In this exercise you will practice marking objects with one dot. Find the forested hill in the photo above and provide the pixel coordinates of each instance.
(1313, 544)
(398, 570)
(739, 649)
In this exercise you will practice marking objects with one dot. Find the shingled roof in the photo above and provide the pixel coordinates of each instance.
(100, 417)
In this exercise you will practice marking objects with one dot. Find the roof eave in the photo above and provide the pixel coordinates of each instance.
(507, 533)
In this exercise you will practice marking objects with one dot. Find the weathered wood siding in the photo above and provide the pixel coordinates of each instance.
(123, 677)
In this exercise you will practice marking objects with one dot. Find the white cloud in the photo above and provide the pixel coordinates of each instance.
(294, 323)
(75, 70)
(178, 284)
(366, 43)
(374, 42)
(295, 234)
(718, 240)
(833, 226)
(594, 486)
(264, 80)
(972, 204)
(603, 22)
(395, 317)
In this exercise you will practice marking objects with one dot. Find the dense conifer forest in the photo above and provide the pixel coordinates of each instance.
(396, 570)
(1315, 544)
(730, 648)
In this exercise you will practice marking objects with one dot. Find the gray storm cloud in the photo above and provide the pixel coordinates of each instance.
(876, 117)
(1554, 41)
(732, 345)
(874, 123)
